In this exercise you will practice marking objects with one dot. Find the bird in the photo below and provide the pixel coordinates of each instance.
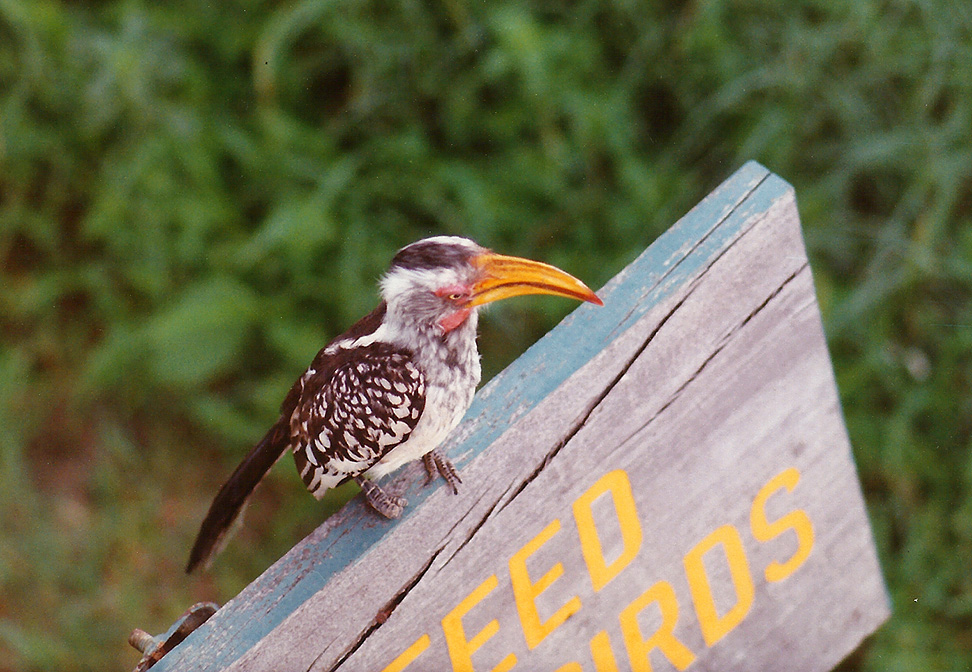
(391, 388)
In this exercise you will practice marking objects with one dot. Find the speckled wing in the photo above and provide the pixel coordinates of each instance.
(355, 405)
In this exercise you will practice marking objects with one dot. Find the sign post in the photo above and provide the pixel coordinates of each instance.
(662, 483)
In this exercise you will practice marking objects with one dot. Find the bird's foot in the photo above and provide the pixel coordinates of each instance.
(387, 505)
(437, 464)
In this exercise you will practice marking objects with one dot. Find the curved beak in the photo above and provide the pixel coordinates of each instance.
(503, 277)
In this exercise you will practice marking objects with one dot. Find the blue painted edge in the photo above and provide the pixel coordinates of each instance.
(676, 257)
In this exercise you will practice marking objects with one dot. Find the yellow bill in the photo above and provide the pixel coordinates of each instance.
(504, 277)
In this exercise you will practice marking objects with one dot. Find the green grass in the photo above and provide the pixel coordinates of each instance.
(195, 196)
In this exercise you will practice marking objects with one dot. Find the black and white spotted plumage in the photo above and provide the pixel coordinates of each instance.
(363, 403)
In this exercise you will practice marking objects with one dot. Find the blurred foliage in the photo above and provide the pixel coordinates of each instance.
(195, 196)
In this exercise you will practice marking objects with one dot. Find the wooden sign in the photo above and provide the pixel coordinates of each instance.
(662, 483)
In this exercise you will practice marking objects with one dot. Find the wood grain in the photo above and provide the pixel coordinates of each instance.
(703, 378)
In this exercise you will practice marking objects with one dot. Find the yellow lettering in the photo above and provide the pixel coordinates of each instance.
(797, 520)
(460, 647)
(663, 638)
(617, 484)
(526, 592)
(715, 627)
(602, 654)
(409, 655)
(570, 667)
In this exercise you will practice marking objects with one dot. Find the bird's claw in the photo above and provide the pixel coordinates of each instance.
(390, 506)
(438, 465)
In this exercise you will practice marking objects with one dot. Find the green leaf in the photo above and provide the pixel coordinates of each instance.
(197, 338)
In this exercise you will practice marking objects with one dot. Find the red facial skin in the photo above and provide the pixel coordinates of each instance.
(458, 295)
(453, 320)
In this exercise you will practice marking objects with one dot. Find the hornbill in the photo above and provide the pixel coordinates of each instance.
(391, 388)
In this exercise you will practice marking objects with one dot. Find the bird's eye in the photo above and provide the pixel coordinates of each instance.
(453, 293)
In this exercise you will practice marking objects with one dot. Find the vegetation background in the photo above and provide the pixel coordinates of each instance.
(194, 196)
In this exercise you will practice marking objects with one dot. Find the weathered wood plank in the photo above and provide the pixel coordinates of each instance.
(702, 388)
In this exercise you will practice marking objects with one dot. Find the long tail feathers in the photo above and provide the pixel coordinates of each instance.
(224, 513)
